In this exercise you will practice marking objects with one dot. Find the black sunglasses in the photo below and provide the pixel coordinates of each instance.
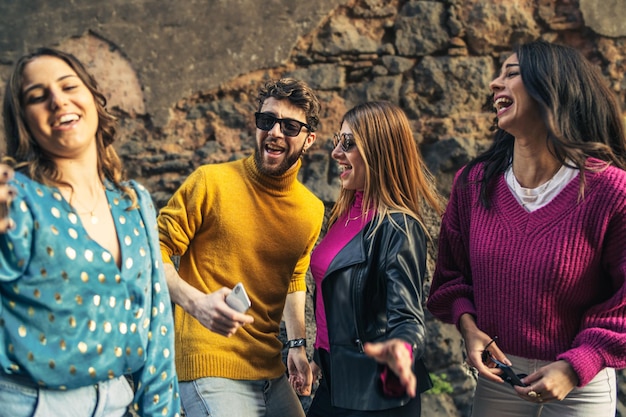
(289, 127)
(346, 139)
(508, 375)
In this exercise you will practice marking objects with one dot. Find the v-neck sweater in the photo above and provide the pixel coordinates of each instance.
(549, 283)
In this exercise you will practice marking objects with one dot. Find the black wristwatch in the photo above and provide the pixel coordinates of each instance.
(294, 343)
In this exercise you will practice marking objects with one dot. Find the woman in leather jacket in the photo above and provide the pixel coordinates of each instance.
(369, 271)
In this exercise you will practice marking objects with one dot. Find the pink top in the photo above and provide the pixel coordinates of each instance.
(337, 237)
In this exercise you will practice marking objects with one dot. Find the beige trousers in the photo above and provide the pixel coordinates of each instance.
(596, 399)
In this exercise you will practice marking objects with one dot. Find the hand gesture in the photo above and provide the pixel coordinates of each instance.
(398, 358)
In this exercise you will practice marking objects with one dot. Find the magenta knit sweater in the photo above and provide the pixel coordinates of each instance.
(551, 283)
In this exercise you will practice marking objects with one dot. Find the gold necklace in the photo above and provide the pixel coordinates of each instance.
(92, 216)
(349, 219)
(531, 195)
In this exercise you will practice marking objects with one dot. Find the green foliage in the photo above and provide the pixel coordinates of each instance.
(440, 384)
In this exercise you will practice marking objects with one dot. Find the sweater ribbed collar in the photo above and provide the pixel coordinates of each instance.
(272, 184)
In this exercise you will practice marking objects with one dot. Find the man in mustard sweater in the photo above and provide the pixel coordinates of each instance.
(248, 221)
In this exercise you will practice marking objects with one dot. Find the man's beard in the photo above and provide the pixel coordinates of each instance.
(276, 170)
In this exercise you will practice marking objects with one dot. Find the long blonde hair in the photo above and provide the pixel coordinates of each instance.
(396, 178)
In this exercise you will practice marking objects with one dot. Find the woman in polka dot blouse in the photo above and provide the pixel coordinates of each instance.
(85, 316)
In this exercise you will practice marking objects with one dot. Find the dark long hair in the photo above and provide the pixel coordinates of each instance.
(581, 113)
(22, 148)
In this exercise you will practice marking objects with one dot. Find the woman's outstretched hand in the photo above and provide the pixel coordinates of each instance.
(395, 354)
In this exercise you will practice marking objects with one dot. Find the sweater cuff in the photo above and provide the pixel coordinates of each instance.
(586, 362)
(166, 257)
(297, 285)
(461, 306)
(392, 387)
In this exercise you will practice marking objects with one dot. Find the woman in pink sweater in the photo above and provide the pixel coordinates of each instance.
(532, 253)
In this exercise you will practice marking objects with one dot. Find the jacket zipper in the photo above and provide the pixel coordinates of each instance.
(355, 312)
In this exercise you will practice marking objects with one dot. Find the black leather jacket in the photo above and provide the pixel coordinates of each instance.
(371, 298)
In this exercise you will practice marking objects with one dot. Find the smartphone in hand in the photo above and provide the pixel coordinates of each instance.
(238, 299)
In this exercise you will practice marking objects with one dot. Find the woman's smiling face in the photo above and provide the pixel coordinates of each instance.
(517, 111)
(59, 109)
(350, 162)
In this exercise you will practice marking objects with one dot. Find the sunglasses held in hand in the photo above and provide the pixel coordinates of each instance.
(508, 375)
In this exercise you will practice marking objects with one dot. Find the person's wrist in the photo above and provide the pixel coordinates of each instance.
(410, 348)
(296, 343)
(467, 324)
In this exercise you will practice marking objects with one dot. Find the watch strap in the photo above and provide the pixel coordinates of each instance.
(294, 343)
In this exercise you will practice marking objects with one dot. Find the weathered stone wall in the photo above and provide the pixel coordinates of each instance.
(182, 76)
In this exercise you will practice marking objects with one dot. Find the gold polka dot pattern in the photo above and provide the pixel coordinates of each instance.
(70, 316)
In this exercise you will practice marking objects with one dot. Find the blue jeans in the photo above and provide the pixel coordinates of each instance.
(106, 399)
(222, 397)
(597, 398)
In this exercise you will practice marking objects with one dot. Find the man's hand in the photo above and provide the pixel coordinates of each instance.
(212, 311)
(300, 375)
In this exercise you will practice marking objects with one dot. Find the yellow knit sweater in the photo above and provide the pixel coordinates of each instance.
(229, 223)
